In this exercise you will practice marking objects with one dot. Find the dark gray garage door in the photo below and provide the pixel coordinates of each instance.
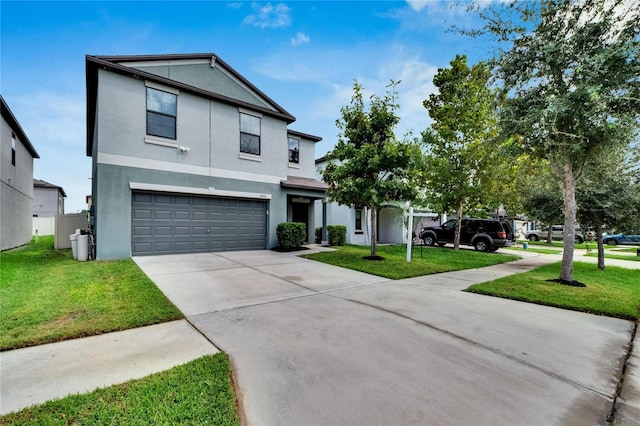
(171, 223)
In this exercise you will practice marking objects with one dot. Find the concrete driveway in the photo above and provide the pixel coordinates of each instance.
(313, 344)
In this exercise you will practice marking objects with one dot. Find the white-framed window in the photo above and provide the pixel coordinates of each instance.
(250, 134)
(294, 150)
(162, 112)
(13, 149)
(357, 226)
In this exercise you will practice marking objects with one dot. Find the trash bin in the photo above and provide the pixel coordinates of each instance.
(83, 248)
(74, 245)
(525, 245)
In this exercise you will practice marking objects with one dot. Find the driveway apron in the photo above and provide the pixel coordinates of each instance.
(315, 344)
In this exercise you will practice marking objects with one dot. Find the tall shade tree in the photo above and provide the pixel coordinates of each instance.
(369, 167)
(459, 160)
(571, 74)
(609, 196)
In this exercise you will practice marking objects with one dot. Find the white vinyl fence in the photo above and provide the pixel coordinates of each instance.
(43, 226)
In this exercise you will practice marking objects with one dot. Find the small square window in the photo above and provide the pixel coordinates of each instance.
(294, 150)
(162, 110)
(250, 134)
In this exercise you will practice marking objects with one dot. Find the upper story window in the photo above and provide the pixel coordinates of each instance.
(162, 110)
(249, 134)
(13, 149)
(294, 150)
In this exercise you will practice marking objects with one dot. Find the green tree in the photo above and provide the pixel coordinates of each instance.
(609, 196)
(571, 74)
(368, 166)
(459, 159)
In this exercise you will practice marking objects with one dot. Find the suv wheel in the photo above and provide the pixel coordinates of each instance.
(579, 240)
(428, 240)
(482, 245)
(611, 242)
(533, 237)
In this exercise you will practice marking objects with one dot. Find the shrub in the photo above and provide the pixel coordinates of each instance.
(318, 235)
(291, 234)
(337, 235)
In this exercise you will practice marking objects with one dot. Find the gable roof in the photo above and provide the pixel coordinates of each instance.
(117, 64)
(37, 183)
(17, 129)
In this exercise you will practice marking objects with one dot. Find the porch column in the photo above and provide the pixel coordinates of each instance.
(324, 239)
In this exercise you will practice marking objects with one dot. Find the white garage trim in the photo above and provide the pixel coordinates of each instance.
(196, 191)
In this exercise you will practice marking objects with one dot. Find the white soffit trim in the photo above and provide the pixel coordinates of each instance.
(138, 186)
(167, 166)
(165, 62)
(161, 87)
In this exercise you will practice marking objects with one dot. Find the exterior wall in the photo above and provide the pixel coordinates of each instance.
(204, 156)
(47, 202)
(16, 191)
(113, 218)
(43, 226)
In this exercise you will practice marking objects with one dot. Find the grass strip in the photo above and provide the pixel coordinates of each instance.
(394, 266)
(616, 256)
(613, 292)
(199, 392)
(46, 296)
(536, 250)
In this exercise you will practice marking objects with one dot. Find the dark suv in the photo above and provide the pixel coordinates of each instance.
(483, 234)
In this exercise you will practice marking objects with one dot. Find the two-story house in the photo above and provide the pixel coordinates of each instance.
(48, 199)
(16, 181)
(189, 156)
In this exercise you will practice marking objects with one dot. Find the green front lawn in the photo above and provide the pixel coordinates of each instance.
(197, 393)
(559, 244)
(613, 292)
(395, 265)
(46, 296)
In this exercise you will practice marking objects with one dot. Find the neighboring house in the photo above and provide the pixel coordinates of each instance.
(391, 218)
(16, 181)
(189, 156)
(48, 199)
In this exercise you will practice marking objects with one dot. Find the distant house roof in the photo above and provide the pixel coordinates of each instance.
(303, 183)
(115, 64)
(17, 129)
(304, 135)
(37, 183)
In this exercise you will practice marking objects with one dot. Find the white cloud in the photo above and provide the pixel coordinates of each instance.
(417, 5)
(299, 39)
(269, 16)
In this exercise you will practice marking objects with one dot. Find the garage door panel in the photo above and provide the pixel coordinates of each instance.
(176, 223)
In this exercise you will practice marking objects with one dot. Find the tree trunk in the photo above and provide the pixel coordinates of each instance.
(570, 211)
(600, 246)
(374, 231)
(549, 233)
(456, 237)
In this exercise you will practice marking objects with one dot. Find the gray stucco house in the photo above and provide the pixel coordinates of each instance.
(16, 181)
(189, 156)
(48, 199)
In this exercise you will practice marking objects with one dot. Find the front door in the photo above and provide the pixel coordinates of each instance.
(300, 213)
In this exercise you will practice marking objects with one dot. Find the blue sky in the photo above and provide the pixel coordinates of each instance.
(305, 55)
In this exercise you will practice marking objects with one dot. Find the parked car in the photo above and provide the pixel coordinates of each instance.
(616, 239)
(483, 234)
(557, 233)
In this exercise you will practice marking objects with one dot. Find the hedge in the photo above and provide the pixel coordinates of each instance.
(291, 234)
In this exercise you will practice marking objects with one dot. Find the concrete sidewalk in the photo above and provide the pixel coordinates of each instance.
(37, 374)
